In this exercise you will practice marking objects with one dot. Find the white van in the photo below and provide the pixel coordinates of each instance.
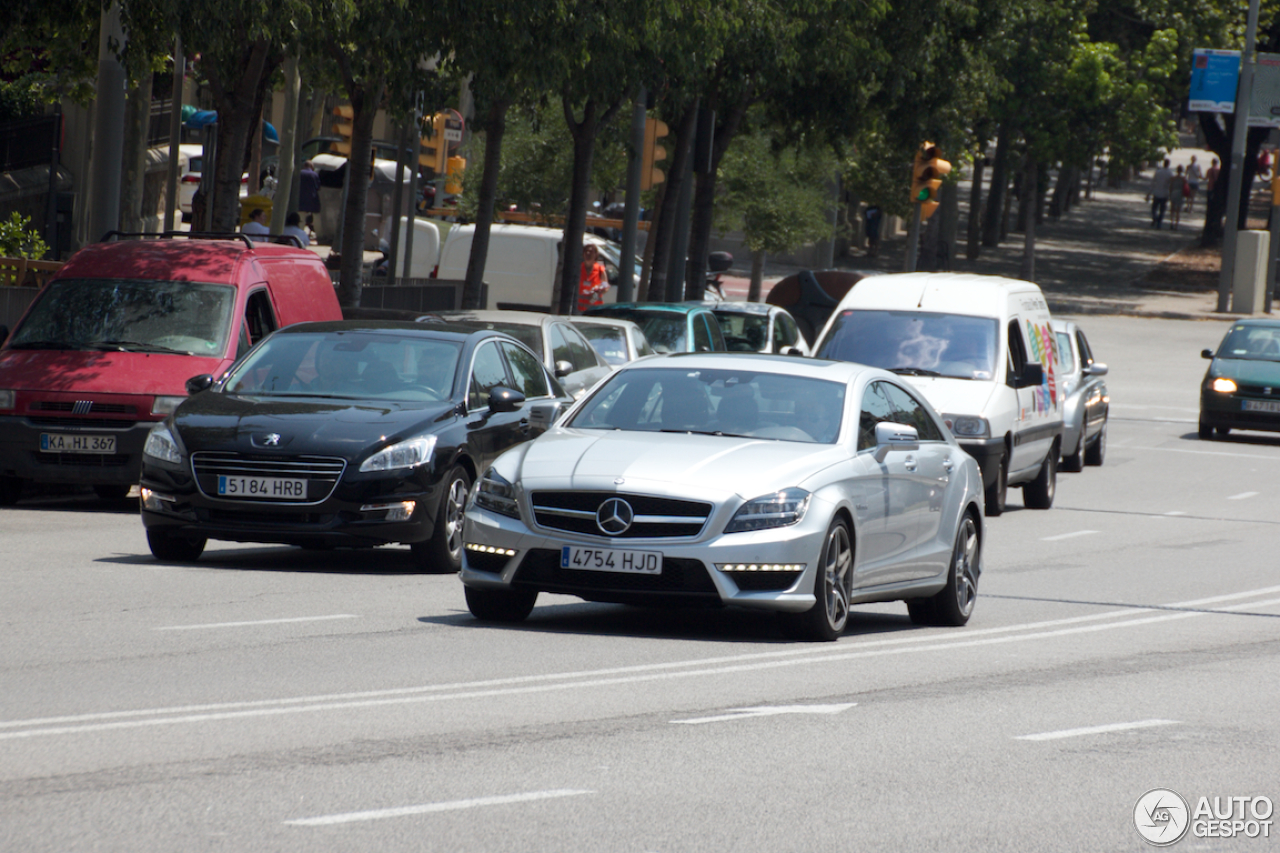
(981, 351)
(521, 265)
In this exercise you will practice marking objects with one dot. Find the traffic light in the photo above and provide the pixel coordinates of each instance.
(454, 169)
(926, 177)
(435, 155)
(651, 175)
(343, 127)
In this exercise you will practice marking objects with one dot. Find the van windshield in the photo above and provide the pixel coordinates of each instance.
(914, 342)
(126, 315)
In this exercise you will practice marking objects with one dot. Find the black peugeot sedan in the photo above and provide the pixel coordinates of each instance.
(351, 433)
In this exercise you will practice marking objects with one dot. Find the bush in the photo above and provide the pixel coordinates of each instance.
(19, 240)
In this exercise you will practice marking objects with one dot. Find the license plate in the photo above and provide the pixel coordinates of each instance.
(1272, 406)
(270, 488)
(611, 560)
(52, 442)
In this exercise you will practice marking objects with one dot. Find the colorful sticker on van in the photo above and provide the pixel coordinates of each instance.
(1044, 349)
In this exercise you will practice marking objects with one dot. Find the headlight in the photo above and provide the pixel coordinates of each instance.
(1223, 385)
(8, 398)
(968, 426)
(776, 510)
(496, 494)
(405, 454)
(162, 445)
(165, 405)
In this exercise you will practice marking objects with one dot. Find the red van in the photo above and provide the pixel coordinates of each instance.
(105, 349)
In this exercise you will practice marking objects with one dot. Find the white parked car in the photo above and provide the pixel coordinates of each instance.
(758, 327)
(617, 341)
(190, 169)
(781, 484)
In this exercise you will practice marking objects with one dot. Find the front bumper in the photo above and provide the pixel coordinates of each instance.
(1228, 410)
(987, 452)
(21, 456)
(689, 575)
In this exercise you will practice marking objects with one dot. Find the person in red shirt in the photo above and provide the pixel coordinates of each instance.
(594, 280)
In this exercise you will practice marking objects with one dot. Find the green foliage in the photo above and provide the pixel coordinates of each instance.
(779, 199)
(19, 240)
(22, 98)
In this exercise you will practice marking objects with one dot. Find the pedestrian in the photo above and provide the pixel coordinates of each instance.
(1178, 191)
(594, 279)
(256, 228)
(293, 228)
(309, 192)
(1211, 177)
(872, 219)
(1193, 182)
(1160, 193)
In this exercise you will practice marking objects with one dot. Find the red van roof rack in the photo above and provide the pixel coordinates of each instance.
(284, 239)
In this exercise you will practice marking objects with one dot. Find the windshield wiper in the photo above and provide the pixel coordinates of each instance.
(914, 371)
(134, 346)
(692, 431)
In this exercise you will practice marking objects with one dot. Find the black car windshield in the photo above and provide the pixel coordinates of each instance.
(348, 365)
(129, 315)
(1254, 343)
(733, 402)
(914, 342)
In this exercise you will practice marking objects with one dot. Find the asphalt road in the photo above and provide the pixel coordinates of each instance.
(274, 699)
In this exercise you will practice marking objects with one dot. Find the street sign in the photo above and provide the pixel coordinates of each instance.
(1215, 75)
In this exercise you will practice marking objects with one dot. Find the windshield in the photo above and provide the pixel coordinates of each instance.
(735, 402)
(609, 341)
(130, 316)
(1252, 343)
(744, 332)
(348, 365)
(914, 342)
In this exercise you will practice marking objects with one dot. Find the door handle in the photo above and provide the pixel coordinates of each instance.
(948, 465)
(910, 463)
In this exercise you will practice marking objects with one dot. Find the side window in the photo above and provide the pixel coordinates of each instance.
(528, 374)
(1017, 353)
(560, 347)
(876, 407)
(641, 343)
(242, 346)
(784, 332)
(580, 352)
(1086, 354)
(702, 335)
(1065, 357)
(717, 334)
(909, 411)
(487, 372)
(259, 315)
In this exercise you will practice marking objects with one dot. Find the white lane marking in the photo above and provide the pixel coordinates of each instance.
(1176, 512)
(428, 808)
(519, 685)
(1124, 407)
(1203, 452)
(1067, 535)
(1242, 496)
(769, 711)
(1097, 730)
(258, 622)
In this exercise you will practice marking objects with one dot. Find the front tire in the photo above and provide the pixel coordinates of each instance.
(1205, 431)
(500, 605)
(174, 548)
(826, 620)
(1038, 494)
(10, 490)
(997, 495)
(1096, 453)
(953, 605)
(442, 553)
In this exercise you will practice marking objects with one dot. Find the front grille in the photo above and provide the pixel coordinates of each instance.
(94, 407)
(657, 518)
(249, 519)
(83, 460)
(541, 569)
(321, 473)
(98, 423)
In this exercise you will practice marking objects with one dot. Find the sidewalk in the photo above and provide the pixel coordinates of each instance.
(1103, 257)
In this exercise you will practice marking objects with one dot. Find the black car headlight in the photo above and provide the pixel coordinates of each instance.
(496, 494)
(778, 509)
(161, 445)
(403, 454)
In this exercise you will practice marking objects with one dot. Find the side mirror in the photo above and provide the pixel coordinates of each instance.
(196, 384)
(1032, 375)
(563, 369)
(1096, 369)
(1206, 353)
(891, 436)
(505, 400)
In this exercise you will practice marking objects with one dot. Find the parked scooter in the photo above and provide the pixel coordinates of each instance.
(717, 263)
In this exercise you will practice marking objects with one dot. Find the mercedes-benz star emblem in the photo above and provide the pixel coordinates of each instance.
(614, 516)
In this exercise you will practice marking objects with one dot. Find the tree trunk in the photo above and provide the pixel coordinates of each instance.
(666, 223)
(575, 221)
(974, 247)
(1030, 195)
(134, 168)
(238, 102)
(757, 277)
(704, 199)
(992, 225)
(365, 100)
(495, 128)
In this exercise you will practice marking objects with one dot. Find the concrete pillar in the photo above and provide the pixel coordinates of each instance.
(1249, 273)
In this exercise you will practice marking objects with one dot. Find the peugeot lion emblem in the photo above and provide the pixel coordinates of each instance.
(271, 439)
(614, 516)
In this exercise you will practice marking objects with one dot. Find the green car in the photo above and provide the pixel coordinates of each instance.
(1241, 389)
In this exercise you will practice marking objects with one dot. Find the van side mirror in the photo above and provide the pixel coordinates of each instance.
(1032, 375)
(504, 400)
(1206, 353)
(1096, 369)
(196, 384)
(890, 436)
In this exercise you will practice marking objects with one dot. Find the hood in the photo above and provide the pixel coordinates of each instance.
(666, 463)
(954, 396)
(102, 372)
(1247, 371)
(214, 421)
